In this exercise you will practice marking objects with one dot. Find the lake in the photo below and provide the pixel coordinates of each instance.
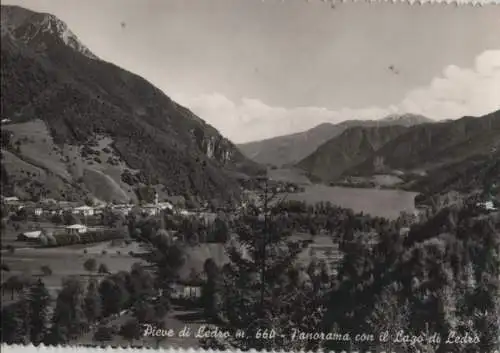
(377, 202)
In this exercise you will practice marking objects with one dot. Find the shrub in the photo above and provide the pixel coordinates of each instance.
(90, 265)
(103, 334)
(44, 241)
(103, 269)
(46, 270)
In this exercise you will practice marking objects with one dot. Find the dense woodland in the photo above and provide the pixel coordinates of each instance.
(442, 277)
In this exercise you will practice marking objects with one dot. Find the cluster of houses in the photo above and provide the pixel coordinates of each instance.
(50, 207)
(35, 235)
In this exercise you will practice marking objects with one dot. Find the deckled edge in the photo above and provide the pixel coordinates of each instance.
(59, 349)
(411, 2)
(19, 348)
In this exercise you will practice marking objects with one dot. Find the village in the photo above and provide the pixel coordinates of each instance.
(80, 217)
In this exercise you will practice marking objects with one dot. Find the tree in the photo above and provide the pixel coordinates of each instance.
(92, 302)
(220, 232)
(114, 294)
(103, 269)
(90, 265)
(46, 270)
(16, 319)
(38, 299)
(110, 218)
(68, 320)
(131, 330)
(12, 327)
(103, 334)
(141, 284)
(21, 215)
(210, 294)
(57, 219)
(259, 290)
(165, 258)
(144, 312)
(390, 314)
(68, 218)
(16, 284)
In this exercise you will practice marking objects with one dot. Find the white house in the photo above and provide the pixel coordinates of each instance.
(151, 210)
(122, 209)
(165, 205)
(10, 199)
(84, 210)
(100, 209)
(30, 236)
(404, 231)
(76, 229)
(488, 205)
(186, 291)
(185, 212)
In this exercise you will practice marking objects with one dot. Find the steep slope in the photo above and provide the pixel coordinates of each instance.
(47, 74)
(429, 146)
(353, 146)
(290, 149)
(471, 175)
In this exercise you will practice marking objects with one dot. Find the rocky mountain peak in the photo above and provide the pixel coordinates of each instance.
(39, 28)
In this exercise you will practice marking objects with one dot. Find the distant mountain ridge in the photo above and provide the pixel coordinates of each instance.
(47, 74)
(290, 149)
(429, 146)
(352, 147)
(421, 149)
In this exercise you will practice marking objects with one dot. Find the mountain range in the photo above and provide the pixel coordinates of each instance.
(106, 128)
(429, 146)
(435, 155)
(290, 149)
(353, 146)
(75, 126)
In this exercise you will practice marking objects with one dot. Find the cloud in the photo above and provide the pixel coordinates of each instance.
(457, 92)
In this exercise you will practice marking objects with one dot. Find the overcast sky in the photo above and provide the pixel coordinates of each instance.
(258, 69)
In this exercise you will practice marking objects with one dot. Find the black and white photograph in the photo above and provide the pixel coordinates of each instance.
(277, 175)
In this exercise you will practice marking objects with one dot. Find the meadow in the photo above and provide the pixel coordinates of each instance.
(65, 262)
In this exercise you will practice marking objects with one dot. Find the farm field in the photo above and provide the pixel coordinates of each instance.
(376, 202)
(64, 262)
